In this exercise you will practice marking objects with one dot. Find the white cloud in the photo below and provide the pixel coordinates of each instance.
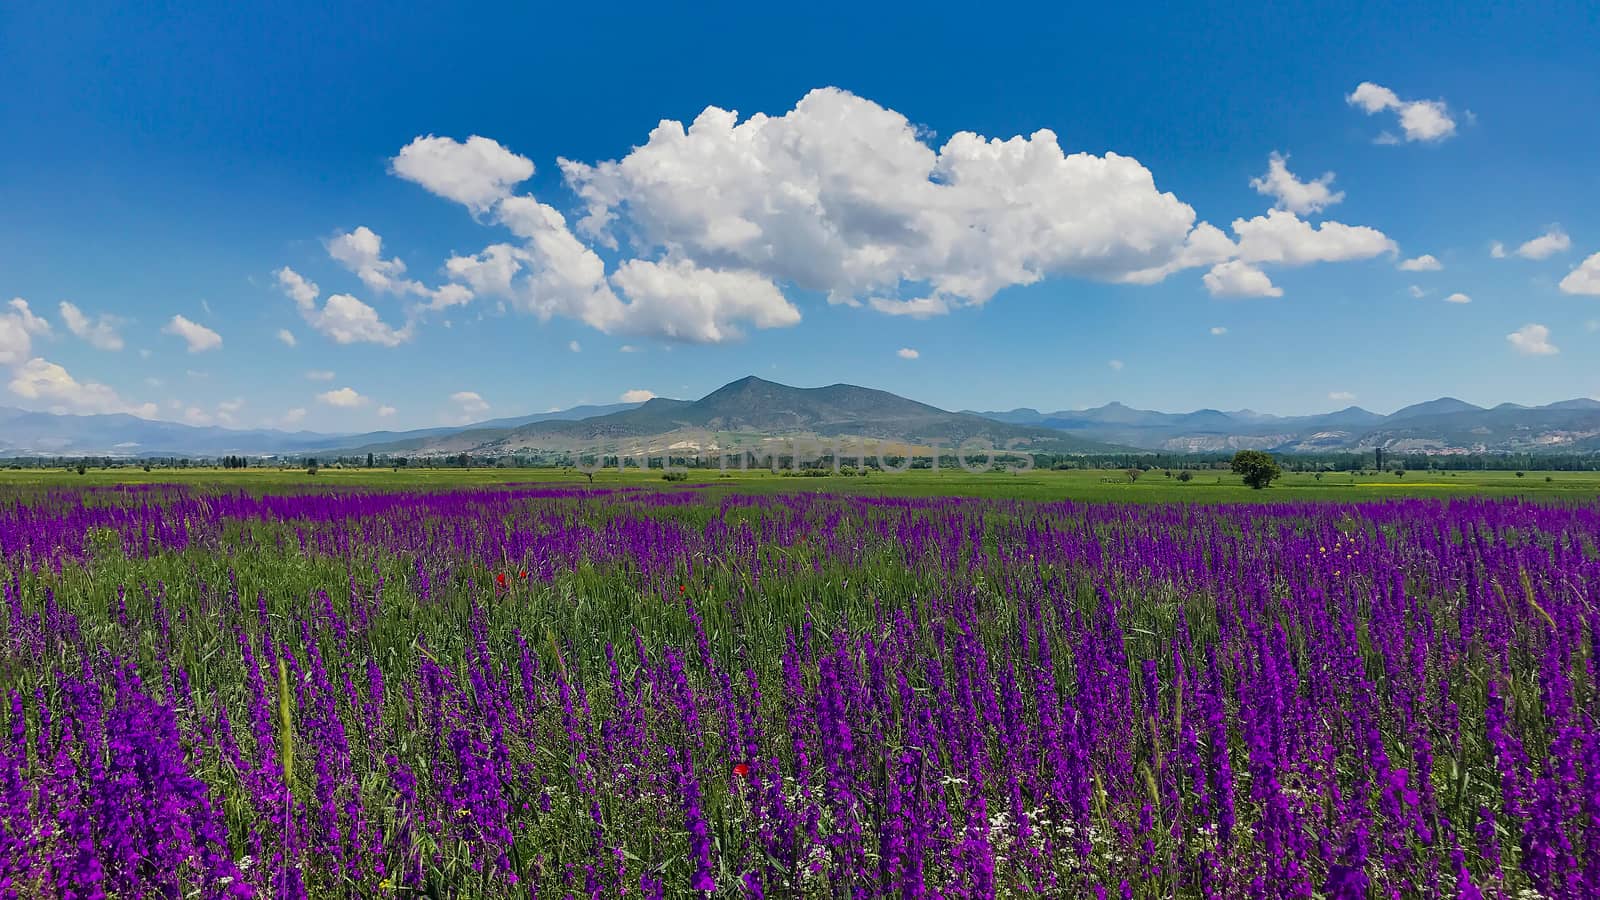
(637, 396)
(1546, 245)
(99, 332)
(682, 301)
(343, 318)
(627, 348)
(1592, 325)
(15, 344)
(907, 353)
(385, 412)
(44, 381)
(1115, 364)
(294, 416)
(476, 173)
(228, 409)
(197, 336)
(1293, 194)
(1237, 278)
(838, 195)
(1458, 297)
(1282, 237)
(196, 416)
(1417, 292)
(32, 324)
(574, 346)
(361, 251)
(1497, 250)
(287, 337)
(344, 398)
(350, 321)
(1423, 263)
(1341, 396)
(319, 375)
(842, 195)
(1532, 340)
(1218, 330)
(1421, 120)
(469, 403)
(1585, 279)
(918, 308)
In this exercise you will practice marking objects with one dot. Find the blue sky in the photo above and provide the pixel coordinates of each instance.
(187, 164)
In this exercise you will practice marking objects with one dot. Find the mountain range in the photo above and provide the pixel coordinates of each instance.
(752, 410)
(1445, 425)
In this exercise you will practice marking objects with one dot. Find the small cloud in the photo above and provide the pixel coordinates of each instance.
(1532, 340)
(1417, 292)
(1218, 330)
(628, 348)
(1421, 120)
(1592, 325)
(1291, 193)
(1423, 263)
(1116, 365)
(1546, 245)
(469, 404)
(287, 337)
(319, 375)
(637, 395)
(907, 353)
(24, 316)
(99, 332)
(197, 336)
(1341, 396)
(385, 412)
(294, 416)
(344, 398)
(1497, 250)
(574, 346)
(1237, 278)
(1458, 297)
(1585, 279)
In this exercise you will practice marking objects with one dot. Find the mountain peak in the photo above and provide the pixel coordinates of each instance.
(1439, 407)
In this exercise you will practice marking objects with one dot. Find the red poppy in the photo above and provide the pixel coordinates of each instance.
(500, 578)
(742, 770)
(682, 588)
(523, 575)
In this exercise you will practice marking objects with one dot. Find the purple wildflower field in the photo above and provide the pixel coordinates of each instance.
(555, 692)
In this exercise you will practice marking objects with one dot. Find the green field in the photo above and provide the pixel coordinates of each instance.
(1074, 484)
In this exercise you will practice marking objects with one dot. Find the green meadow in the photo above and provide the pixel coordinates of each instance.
(1114, 485)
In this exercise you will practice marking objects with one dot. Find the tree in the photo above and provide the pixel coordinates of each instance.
(370, 460)
(1258, 469)
(1133, 474)
(1184, 476)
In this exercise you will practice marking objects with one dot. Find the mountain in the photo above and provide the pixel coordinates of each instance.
(1437, 426)
(752, 410)
(1440, 407)
(25, 433)
(747, 412)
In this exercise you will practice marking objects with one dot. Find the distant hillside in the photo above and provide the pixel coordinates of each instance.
(752, 409)
(24, 433)
(1436, 426)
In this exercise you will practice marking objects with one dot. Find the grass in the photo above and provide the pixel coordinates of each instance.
(1082, 485)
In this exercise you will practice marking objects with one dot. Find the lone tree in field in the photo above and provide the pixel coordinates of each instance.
(1257, 468)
